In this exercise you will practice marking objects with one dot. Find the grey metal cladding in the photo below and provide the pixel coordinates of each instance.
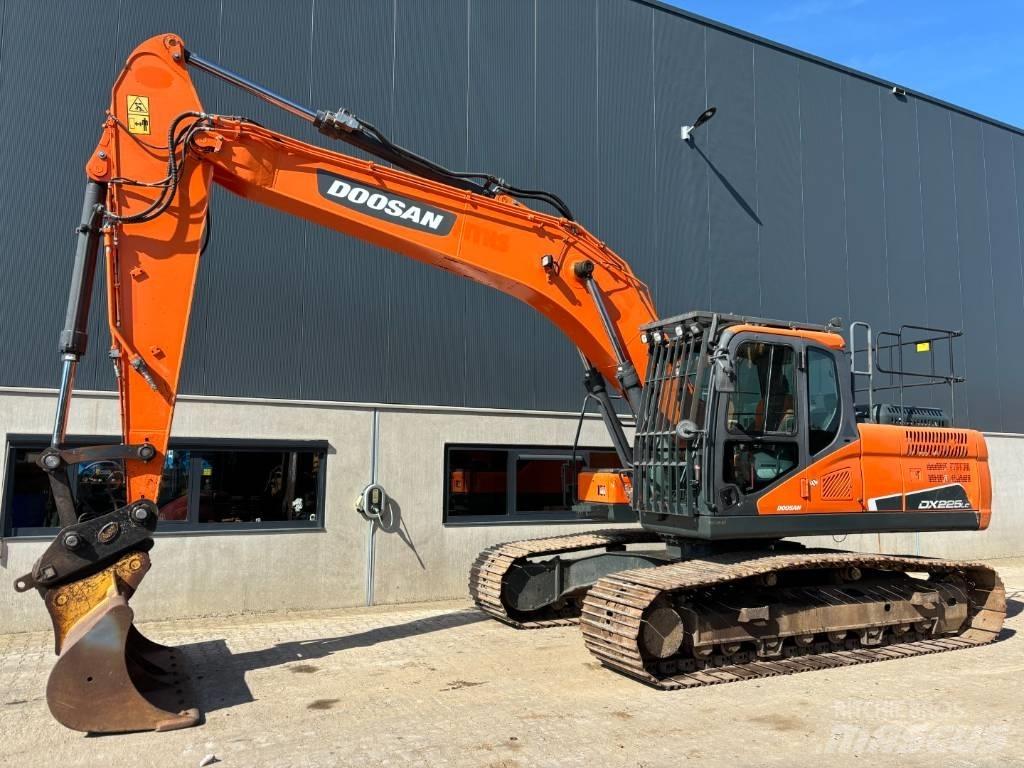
(939, 231)
(350, 284)
(824, 194)
(566, 162)
(566, 105)
(428, 321)
(1018, 168)
(903, 234)
(901, 189)
(625, 131)
(983, 396)
(42, 170)
(1004, 249)
(865, 203)
(814, 192)
(729, 149)
(499, 367)
(263, 342)
(780, 233)
(680, 278)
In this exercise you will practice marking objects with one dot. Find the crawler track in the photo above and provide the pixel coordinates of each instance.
(614, 613)
(487, 575)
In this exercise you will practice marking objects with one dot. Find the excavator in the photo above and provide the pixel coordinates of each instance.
(734, 434)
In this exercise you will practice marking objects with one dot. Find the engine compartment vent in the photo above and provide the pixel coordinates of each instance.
(944, 443)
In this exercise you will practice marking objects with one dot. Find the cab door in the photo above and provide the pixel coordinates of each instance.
(829, 479)
(762, 423)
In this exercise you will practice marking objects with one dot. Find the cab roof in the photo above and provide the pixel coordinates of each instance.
(717, 322)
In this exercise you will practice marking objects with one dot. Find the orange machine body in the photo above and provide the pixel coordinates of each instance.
(605, 487)
(892, 469)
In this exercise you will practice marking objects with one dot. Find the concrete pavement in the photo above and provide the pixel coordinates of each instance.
(438, 685)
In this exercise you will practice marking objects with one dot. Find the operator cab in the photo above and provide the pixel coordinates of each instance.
(734, 407)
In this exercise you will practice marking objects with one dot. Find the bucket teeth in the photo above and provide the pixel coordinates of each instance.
(109, 677)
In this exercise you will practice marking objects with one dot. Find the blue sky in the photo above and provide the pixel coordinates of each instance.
(968, 53)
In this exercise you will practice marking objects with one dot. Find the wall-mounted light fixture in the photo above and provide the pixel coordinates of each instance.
(899, 93)
(686, 133)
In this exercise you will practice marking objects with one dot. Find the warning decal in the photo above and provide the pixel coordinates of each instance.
(138, 114)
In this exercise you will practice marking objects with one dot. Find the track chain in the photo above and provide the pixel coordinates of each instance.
(614, 608)
(486, 577)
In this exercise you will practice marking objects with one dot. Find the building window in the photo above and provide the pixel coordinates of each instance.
(503, 484)
(207, 485)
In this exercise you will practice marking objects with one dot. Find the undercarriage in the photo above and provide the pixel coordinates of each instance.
(683, 616)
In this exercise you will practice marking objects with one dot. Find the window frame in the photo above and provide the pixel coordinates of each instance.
(513, 454)
(191, 526)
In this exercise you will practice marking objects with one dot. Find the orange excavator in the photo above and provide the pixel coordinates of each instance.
(746, 429)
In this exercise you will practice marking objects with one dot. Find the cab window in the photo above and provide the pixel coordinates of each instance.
(754, 465)
(823, 400)
(765, 396)
(762, 407)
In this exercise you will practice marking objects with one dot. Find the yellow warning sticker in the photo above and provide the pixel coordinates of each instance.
(923, 346)
(138, 114)
(138, 105)
(138, 124)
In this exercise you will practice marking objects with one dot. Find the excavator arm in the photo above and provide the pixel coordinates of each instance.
(146, 211)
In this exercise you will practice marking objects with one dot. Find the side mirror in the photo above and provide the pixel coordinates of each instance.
(725, 375)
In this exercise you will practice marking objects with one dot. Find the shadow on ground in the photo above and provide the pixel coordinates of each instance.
(218, 675)
(1014, 604)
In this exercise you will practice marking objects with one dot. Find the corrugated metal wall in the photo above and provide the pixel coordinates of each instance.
(813, 193)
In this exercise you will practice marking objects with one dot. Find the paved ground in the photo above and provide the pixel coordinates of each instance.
(437, 685)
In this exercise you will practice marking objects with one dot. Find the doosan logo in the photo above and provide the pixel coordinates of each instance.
(378, 201)
(384, 205)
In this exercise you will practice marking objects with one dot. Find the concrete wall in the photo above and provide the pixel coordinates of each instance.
(221, 573)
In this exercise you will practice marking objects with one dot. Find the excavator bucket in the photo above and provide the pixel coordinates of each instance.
(109, 678)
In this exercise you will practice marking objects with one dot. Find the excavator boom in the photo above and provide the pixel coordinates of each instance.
(156, 218)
